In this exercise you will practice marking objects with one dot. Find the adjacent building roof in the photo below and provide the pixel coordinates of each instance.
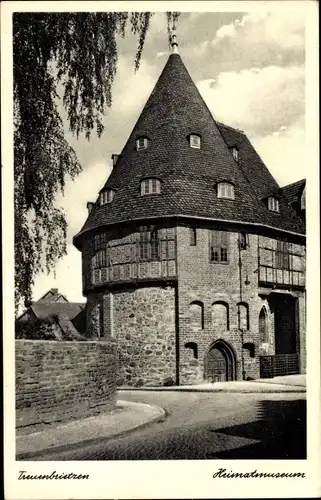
(70, 315)
(69, 329)
(174, 110)
(69, 310)
(53, 295)
(294, 191)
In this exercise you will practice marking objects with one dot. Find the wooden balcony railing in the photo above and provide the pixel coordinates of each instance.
(284, 269)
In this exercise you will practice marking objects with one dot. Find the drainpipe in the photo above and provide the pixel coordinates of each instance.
(177, 333)
(177, 337)
(238, 312)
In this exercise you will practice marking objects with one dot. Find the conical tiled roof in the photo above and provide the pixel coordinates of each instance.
(174, 110)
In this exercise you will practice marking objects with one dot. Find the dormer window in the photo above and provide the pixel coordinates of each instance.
(195, 141)
(106, 196)
(235, 153)
(225, 190)
(273, 204)
(141, 143)
(150, 186)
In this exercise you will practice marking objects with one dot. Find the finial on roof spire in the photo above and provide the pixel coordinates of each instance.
(174, 43)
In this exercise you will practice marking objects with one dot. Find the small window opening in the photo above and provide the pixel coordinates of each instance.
(225, 190)
(148, 243)
(193, 237)
(141, 143)
(150, 186)
(282, 255)
(193, 347)
(196, 311)
(273, 204)
(243, 316)
(195, 141)
(263, 329)
(243, 241)
(250, 347)
(235, 153)
(220, 316)
(219, 246)
(106, 196)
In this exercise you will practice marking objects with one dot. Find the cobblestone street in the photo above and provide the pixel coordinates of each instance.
(207, 426)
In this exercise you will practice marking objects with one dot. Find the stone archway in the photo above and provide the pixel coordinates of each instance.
(220, 363)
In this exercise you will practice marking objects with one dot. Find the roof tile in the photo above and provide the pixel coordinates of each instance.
(294, 191)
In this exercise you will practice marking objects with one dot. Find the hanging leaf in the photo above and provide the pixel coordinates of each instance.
(78, 51)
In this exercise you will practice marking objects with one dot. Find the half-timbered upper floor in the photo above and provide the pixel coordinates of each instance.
(150, 252)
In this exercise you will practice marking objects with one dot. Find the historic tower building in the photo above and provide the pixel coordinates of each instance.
(193, 257)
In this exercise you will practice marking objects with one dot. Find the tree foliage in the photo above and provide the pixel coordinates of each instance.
(78, 52)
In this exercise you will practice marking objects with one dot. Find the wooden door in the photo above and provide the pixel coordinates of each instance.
(216, 366)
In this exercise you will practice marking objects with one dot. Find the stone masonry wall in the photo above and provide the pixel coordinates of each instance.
(94, 315)
(58, 381)
(144, 326)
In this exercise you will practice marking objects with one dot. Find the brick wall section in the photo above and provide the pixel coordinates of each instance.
(201, 280)
(142, 319)
(58, 381)
(208, 282)
(144, 326)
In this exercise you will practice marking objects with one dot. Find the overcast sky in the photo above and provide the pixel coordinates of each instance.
(249, 68)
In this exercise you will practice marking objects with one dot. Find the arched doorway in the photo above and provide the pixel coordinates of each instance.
(219, 363)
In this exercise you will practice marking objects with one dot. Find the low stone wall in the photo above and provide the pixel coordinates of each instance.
(59, 381)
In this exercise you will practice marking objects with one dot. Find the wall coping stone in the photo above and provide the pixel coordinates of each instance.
(104, 342)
